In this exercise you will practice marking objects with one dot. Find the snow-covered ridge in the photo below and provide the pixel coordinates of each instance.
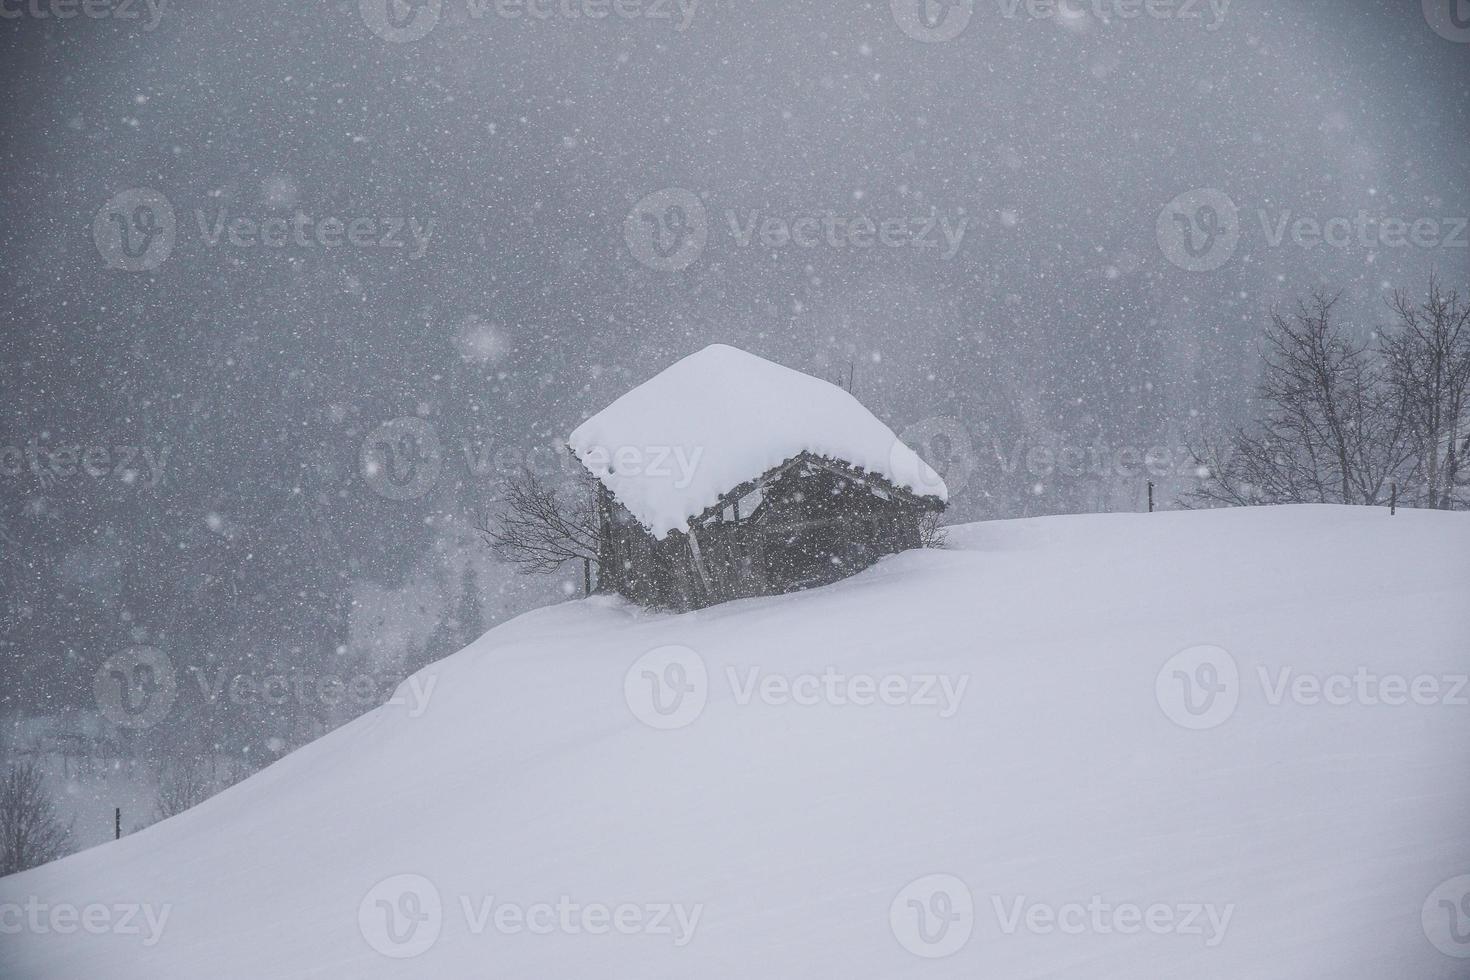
(671, 447)
(1001, 726)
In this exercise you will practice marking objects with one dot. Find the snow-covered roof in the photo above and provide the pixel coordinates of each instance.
(672, 447)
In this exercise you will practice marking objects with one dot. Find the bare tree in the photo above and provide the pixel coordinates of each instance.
(1428, 369)
(932, 534)
(185, 784)
(31, 832)
(1333, 431)
(539, 527)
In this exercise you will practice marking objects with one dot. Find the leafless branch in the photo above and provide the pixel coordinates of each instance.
(539, 527)
(1428, 370)
(1333, 430)
(31, 832)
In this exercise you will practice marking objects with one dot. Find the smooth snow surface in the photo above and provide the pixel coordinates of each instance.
(670, 448)
(1323, 838)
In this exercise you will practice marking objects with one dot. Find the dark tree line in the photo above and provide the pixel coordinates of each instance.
(1353, 422)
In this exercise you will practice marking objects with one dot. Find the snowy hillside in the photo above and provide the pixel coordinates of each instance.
(1229, 744)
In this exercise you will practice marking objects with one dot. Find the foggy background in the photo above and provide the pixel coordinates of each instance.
(257, 543)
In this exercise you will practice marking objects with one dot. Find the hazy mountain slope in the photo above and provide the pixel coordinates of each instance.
(1315, 833)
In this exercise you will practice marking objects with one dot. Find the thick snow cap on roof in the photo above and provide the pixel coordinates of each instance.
(672, 447)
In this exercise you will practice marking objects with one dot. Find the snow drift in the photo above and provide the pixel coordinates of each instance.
(1229, 744)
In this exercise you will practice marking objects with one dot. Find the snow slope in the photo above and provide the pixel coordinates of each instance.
(1310, 840)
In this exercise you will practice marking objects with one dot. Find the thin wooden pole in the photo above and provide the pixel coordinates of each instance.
(117, 823)
(1150, 496)
(699, 569)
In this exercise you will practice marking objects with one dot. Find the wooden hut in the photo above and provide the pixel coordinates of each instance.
(727, 476)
